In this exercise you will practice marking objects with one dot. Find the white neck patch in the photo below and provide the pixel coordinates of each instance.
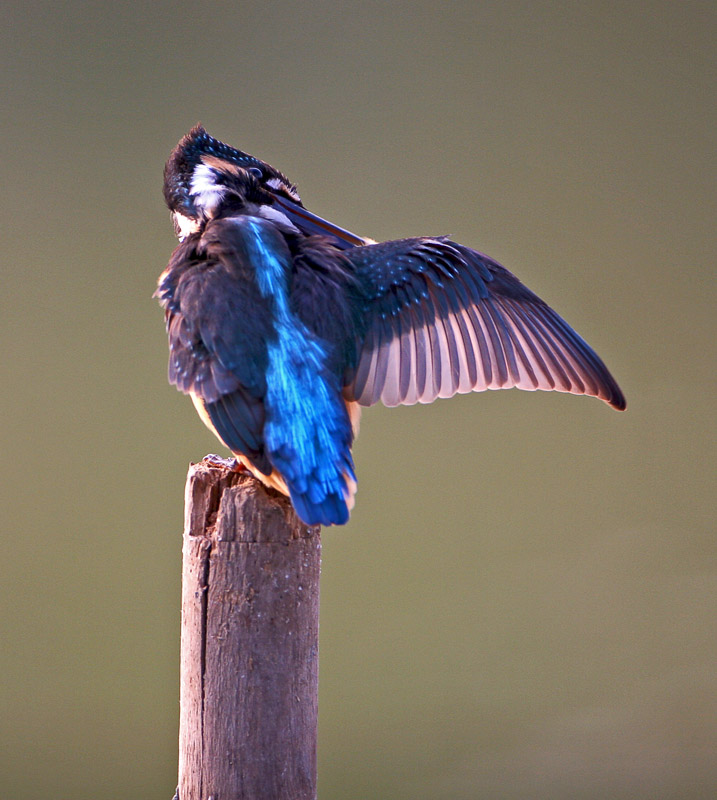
(184, 226)
(206, 193)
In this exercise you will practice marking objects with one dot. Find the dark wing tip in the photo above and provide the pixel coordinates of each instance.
(616, 399)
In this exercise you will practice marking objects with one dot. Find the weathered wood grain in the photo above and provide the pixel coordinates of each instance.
(249, 652)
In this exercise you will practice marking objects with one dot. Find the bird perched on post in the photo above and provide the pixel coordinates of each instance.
(282, 325)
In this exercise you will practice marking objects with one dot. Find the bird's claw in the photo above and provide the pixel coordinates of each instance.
(231, 464)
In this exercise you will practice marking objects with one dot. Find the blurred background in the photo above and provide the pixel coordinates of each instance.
(523, 605)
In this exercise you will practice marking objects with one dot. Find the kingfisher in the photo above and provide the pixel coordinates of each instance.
(282, 325)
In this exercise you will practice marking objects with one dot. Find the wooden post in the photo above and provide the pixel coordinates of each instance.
(250, 642)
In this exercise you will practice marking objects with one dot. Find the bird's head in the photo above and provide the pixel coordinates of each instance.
(205, 178)
(204, 175)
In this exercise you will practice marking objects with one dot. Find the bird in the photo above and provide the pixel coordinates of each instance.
(283, 325)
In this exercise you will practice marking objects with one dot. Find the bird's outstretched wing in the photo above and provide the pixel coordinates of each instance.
(443, 319)
(214, 356)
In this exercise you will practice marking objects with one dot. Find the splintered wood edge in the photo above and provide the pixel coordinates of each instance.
(219, 502)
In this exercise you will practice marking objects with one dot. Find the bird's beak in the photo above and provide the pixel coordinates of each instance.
(311, 224)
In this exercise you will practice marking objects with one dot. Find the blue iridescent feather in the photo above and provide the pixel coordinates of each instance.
(307, 432)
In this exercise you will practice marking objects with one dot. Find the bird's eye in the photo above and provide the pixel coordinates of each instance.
(256, 172)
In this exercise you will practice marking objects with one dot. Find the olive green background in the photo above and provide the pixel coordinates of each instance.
(523, 605)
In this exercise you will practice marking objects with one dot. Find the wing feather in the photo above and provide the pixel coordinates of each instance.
(485, 374)
(442, 319)
(529, 347)
(408, 360)
(436, 361)
(424, 366)
(467, 368)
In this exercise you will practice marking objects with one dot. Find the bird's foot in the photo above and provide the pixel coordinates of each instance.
(231, 464)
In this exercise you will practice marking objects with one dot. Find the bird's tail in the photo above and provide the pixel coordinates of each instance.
(322, 505)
